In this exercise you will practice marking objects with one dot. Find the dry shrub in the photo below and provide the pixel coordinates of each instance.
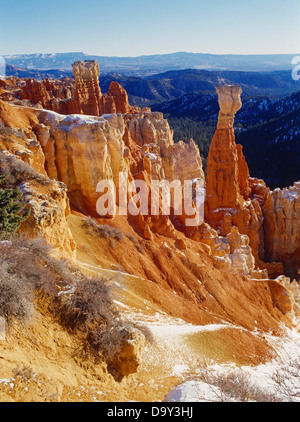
(234, 387)
(108, 339)
(80, 300)
(135, 241)
(146, 331)
(90, 302)
(103, 230)
(22, 273)
(7, 132)
(287, 376)
(80, 303)
(27, 267)
(16, 296)
(17, 171)
(31, 260)
(24, 372)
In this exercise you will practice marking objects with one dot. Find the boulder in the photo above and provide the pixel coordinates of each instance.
(129, 358)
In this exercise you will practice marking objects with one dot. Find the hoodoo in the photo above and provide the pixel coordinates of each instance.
(87, 97)
(227, 183)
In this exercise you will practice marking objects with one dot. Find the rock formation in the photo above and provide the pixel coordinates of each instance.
(281, 212)
(227, 183)
(129, 357)
(140, 143)
(87, 96)
(49, 211)
(46, 94)
(36, 92)
(233, 199)
(141, 146)
(23, 161)
(80, 151)
(208, 274)
(83, 97)
(224, 178)
(115, 101)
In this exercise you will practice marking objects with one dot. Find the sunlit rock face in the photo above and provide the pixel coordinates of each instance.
(81, 151)
(229, 97)
(87, 96)
(282, 228)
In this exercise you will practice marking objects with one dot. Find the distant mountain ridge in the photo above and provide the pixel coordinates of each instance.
(36, 73)
(168, 86)
(172, 85)
(151, 64)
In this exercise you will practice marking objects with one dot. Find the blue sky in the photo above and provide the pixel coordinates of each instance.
(142, 27)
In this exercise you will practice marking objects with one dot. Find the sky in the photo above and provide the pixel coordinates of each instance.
(144, 27)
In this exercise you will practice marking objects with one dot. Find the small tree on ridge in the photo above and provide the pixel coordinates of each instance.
(12, 210)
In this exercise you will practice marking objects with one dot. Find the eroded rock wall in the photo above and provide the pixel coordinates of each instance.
(281, 212)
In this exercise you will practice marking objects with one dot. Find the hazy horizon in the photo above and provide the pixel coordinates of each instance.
(149, 55)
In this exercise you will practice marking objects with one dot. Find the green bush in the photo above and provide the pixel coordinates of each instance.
(12, 210)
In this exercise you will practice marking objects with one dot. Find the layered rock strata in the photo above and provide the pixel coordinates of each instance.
(81, 151)
(281, 212)
(87, 96)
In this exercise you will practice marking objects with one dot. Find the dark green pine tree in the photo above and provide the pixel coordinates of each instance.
(12, 210)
